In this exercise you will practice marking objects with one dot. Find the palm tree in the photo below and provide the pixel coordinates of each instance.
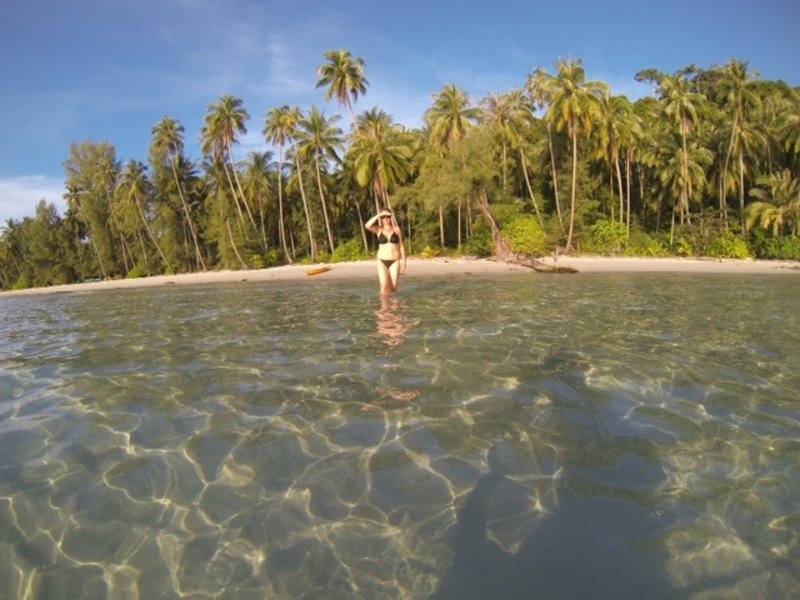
(450, 117)
(576, 106)
(500, 113)
(739, 96)
(344, 76)
(510, 115)
(448, 121)
(134, 184)
(540, 89)
(791, 121)
(167, 141)
(257, 176)
(291, 124)
(381, 155)
(673, 167)
(224, 121)
(617, 130)
(74, 198)
(682, 106)
(10, 248)
(319, 139)
(778, 203)
(277, 127)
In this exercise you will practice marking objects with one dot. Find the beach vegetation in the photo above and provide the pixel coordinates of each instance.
(607, 237)
(707, 165)
(525, 236)
(728, 245)
(765, 246)
(640, 243)
(351, 250)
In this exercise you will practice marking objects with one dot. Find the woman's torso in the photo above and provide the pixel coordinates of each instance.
(389, 244)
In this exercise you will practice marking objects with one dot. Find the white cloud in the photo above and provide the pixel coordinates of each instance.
(20, 195)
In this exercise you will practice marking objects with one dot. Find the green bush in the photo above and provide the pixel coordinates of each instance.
(351, 250)
(137, 272)
(429, 252)
(273, 258)
(682, 247)
(21, 284)
(525, 236)
(480, 244)
(607, 237)
(257, 262)
(641, 244)
(763, 245)
(728, 245)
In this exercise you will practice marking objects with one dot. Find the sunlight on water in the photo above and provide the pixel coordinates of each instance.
(597, 436)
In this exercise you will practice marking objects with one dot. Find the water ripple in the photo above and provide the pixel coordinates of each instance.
(474, 438)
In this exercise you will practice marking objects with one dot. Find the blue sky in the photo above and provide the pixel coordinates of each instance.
(108, 70)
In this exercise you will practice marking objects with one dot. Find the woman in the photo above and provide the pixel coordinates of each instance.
(390, 250)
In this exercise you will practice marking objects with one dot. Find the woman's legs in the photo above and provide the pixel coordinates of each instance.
(389, 277)
(384, 278)
(394, 275)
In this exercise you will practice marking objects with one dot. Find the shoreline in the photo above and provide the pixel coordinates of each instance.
(436, 267)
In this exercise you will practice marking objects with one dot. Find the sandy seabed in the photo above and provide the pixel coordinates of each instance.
(439, 267)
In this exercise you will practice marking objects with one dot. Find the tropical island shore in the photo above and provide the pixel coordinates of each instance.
(438, 267)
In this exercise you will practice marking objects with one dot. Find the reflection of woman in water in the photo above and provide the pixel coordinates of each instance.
(393, 325)
(391, 252)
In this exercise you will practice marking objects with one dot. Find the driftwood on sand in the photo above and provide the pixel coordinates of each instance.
(504, 253)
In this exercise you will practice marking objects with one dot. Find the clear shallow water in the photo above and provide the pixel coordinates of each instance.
(549, 437)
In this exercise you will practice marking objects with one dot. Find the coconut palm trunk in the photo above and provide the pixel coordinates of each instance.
(233, 244)
(530, 189)
(239, 186)
(281, 218)
(311, 242)
(149, 231)
(324, 206)
(554, 174)
(198, 255)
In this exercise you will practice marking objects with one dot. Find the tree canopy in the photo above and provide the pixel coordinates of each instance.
(708, 164)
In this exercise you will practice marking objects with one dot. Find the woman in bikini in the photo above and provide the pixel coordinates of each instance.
(391, 251)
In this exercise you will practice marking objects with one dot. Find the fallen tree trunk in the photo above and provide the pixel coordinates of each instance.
(503, 252)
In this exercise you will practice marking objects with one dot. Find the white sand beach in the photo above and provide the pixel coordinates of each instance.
(439, 267)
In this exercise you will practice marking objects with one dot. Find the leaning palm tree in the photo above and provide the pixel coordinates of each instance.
(540, 88)
(344, 76)
(292, 122)
(134, 184)
(576, 106)
(277, 127)
(319, 140)
(167, 141)
(224, 121)
(256, 186)
(74, 197)
(510, 115)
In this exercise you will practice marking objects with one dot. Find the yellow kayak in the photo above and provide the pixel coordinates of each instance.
(318, 270)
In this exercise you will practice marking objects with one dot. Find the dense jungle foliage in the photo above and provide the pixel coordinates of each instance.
(706, 166)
